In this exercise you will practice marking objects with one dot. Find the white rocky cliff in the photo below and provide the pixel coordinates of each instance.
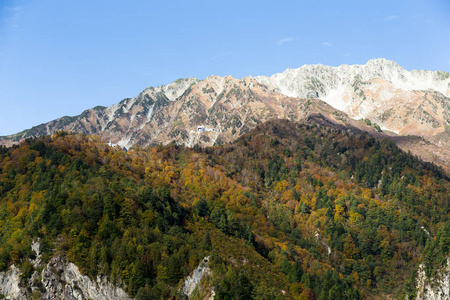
(10, 284)
(380, 90)
(437, 288)
(192, 283)
(327, 81)
(59, 279)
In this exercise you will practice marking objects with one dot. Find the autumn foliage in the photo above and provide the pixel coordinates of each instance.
(287, 211)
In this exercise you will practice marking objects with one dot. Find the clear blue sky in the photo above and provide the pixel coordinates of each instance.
(61, 57)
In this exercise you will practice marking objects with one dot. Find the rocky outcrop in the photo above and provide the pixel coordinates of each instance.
(192, 282)
(10, 284)
(436, 288)
(59, 279)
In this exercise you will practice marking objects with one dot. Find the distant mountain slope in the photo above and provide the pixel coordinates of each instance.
(414, 102)
(389, 97)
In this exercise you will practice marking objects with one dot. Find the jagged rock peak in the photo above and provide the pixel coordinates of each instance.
(382, 62)
(177, 88)
(291, 81)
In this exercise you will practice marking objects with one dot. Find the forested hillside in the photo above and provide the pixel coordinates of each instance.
(288, 211)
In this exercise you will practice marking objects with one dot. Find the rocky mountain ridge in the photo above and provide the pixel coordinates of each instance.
(377, 91)
(388, 97)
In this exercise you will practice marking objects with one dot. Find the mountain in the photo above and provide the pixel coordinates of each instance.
(289, 210)
(384, 97)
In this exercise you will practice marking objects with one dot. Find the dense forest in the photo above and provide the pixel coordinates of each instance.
(288, 211)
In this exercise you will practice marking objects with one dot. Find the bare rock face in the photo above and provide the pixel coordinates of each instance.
(396, 101)
(68, 281)
(9, 284)
(437, 288)
(59, 279)
(192, 283)
(405, 102)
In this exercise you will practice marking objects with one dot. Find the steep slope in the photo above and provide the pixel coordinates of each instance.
(406, 102)
(288, 210)
(120, 120)
(381, 92)
(226, 107)
(436, 287)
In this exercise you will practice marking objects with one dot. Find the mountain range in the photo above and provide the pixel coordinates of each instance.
(410, 107)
